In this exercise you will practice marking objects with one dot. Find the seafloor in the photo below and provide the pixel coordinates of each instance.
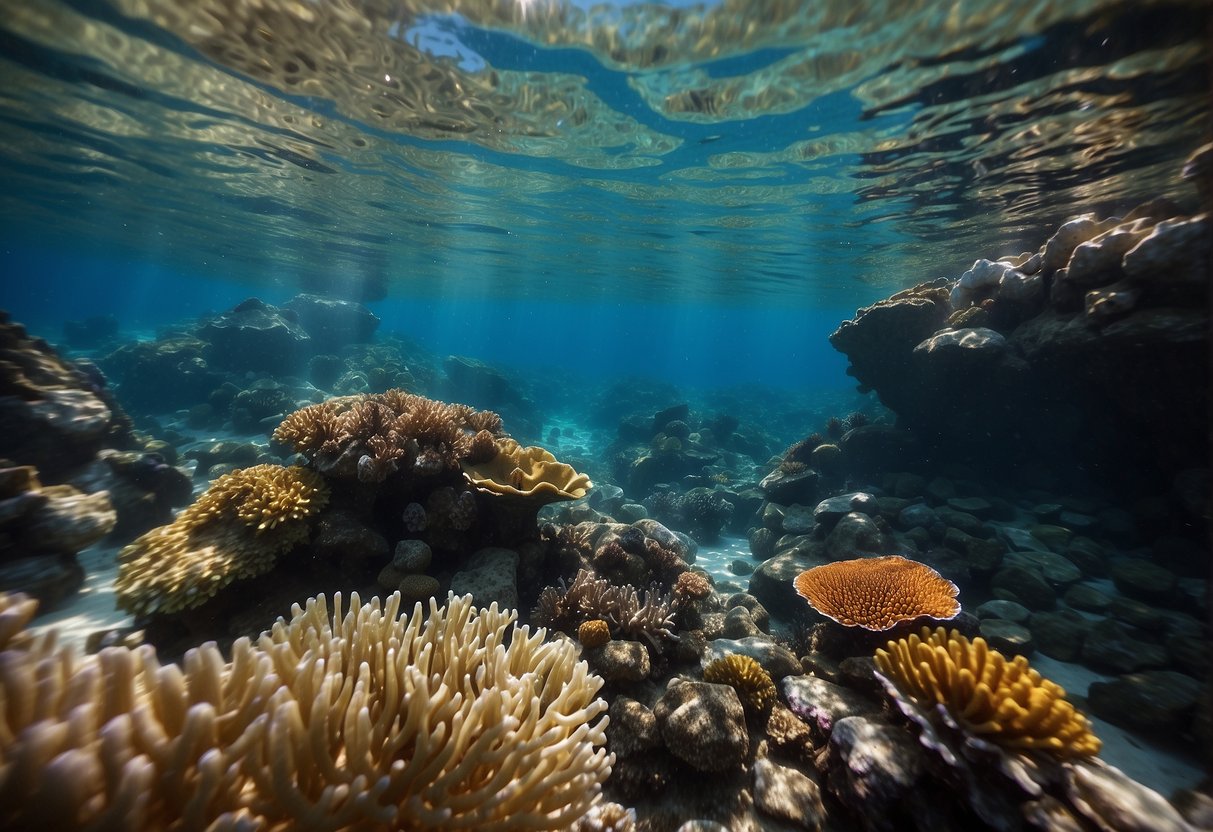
(1030, 439)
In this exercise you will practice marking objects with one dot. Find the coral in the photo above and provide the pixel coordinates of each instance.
(610, 555)
(628, 613)
(594, 633)
(878, 593)
(666, 564)
(235, 529)
(706, 512)
(360, 719)
(375, 435)
(691, 585)
(987, 695)
(532, 473)
(835, 427)
(802, 451)
(743, 674)
(855, 420)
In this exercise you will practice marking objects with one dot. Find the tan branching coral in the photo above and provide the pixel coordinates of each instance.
(691, 585)
(628, 613)
(878, 593)
(358, 719)
(376, 435)
(753, 684)
(532, 473)
(234, 530)
(1000, 700)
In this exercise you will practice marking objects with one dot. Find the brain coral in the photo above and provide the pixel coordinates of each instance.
(532, 473)
(986, 695)
(878, 593)
(746, 676)
(235, 529)
(354, 719)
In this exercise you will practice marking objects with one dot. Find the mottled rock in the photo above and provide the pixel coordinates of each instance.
(1059, 635)
(254, 336)
(1025, 586)
(703, 725)
(787, 795)
(739, 624)
(873, 767)
(832, 509)
(771, 582)
(757, 611)
(774, 658)
(341, 536)
(47, 578)
(1152, 700)
(798, 519)
(822, 703)
(68, 521)
(1007, 637)
(632, 729)
(762, 542)
(1115, 801)
(412, 556)
(1057, 570)
(620, 661)
(787, 488)
(853, 536)
(490, 575)
(1006, 610)
(416, 589)
(1143, 579)
(1111, 645)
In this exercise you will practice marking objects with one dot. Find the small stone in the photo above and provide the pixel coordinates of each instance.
(919, 515)
(740, 567)
(980, 555)
(873, 765)
(703, 725)
(855, 534)
(1137, 614)
(1007, 637)
(1140, 578)
(1088, 556)
(632, 728)
(1055, 537)
(798, 519)
(962, 521)
(631, 512)
(1087, 598)
(979, 507)
(1025, 586)
(739, 624)
(1111, 646)
(416, 589)
(1006, 610)
(787, 795)
(829, 511)
(412, 556)
(621, 661)
(1153, 700)
(490, 576)
(1059, 635)
(1054, 568)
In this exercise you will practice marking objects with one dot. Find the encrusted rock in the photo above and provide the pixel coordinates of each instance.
(774, 658)
(621, 661)
(703, 725)
(489, 575)
(788, 795)
(822, 703)
(412, 556)
(874, 768)
(1111, 645)
(632, 728)
(1153, 701)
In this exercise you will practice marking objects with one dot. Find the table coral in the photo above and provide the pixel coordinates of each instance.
(236, 529)
(878, 593)
(529, 472)
(334, 719)
(987, 695)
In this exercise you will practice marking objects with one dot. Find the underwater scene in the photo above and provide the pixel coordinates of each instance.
(712, 416)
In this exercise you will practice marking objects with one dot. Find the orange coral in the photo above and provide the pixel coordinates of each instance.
(594, 633)
(1004, 701)
(878, 593)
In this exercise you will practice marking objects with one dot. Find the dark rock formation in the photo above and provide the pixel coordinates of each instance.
(254, 336)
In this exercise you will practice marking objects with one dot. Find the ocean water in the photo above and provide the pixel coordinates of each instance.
(611, 211)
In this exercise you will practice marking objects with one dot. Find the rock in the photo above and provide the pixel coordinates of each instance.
(1115, 801)
(417, 589)
(787, 795)
(1007, 637)
(48, 578)
(853, 536)
(771, 582)
(473, 381)
(873, 768)
(758, 613)
(1137, 614)
(703, 725)
(1111, 646)
(920, 515)
(254, 336)
(979, 555)
(762, 542)
(632, 729)
(798, 519)
(1088, 556)
(68, 521)
(1058, 571)
(340, 536)
(740, 567)
(1173, 260)
(489, 576)
(1059, 635)
(631, 512)
(331, 323)
(978, 507)
(412, 556)
(1025, 586)
(1161, 701)
(739, 624)
(832, 509)
(620, 661)
(1006, 610)
(787, 489)
(1143, 579)
(1054, 537)
(777, 660)
(822, 703)
(876, 448)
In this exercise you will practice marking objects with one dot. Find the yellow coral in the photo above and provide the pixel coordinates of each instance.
(234, 530)
(1006, 702)
(594, 633)
(452, 717)
(531, 472)
(753, 684)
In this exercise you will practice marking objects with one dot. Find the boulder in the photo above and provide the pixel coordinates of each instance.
(332, 324)
(490, 575)
(703, 725)
(256, 337)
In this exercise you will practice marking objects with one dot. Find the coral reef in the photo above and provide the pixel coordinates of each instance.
(351, 719)
(587, 598)
(746, 676)
(987, 695)
(234, 530)
(878, 593)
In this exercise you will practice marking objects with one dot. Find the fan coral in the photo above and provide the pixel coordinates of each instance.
(234, 530)
(878, 593)
(373, 436)
(594, 633)
(753, 684)
(532, 473)
(359, 719)
(1006, 702)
